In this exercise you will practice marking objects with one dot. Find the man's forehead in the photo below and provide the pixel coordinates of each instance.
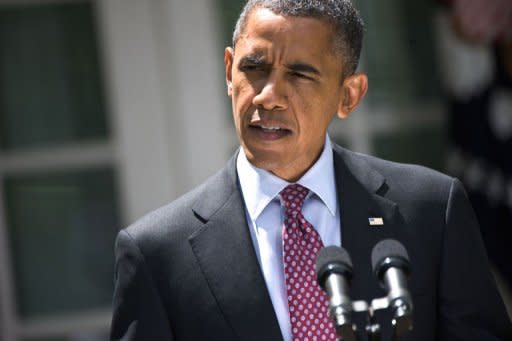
(264, 20)
(264, 27)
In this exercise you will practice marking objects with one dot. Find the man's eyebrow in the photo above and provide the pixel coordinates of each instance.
(253, 59)
(260, 60)
(301, 67)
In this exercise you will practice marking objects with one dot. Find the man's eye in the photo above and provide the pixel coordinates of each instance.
(301, 75)
(251, 67)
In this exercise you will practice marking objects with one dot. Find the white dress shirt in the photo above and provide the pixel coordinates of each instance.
(265, 216)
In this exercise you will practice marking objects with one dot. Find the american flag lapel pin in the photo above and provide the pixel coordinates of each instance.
(376, 221)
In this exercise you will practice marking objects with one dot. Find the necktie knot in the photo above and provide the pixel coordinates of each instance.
(292, 198)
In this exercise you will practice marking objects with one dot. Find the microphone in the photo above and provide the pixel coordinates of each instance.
(390, 263)
(334, 272)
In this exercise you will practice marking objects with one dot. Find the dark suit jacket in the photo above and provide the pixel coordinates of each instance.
(188, 271)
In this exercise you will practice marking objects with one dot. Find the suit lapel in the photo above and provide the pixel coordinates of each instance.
(361, 194)
(226, 255)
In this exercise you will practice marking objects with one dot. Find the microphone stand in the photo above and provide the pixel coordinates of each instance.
(372, 328)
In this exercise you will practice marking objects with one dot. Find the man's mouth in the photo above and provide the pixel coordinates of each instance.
(269, 131)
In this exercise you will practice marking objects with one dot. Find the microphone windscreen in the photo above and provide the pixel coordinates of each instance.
(387, 248)
(332, 255)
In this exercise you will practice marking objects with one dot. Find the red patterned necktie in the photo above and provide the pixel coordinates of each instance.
(307, 303)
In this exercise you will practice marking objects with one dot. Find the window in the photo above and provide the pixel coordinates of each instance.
(401, 117)
(58, 179)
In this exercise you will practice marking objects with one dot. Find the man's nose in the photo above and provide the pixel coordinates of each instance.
(272, 95)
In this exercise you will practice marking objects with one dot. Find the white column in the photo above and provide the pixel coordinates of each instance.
(194, 67)
(164, 73)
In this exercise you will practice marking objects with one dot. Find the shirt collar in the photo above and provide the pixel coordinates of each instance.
(260, 187)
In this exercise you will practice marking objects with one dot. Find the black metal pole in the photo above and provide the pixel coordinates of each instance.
(372, 327)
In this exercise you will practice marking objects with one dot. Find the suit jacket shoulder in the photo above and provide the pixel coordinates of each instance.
(454, 293)
(199, 278)
(181, 218)
(403, 177)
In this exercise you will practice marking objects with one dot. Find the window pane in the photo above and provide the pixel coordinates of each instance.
(89, 336)
(399, 51)
(420, 145)
(340, 140)
(228, 11)
(62, 229)
(50, 86)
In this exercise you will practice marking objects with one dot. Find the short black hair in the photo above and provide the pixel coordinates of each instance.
(347, 24)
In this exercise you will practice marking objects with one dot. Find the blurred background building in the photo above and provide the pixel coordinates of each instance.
(111, 108)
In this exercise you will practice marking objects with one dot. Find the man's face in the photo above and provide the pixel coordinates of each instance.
(285, 83)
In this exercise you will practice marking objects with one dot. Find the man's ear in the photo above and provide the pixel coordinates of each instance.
(229, 54)
(353, 90)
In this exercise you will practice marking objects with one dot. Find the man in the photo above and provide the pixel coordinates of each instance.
(232, 260)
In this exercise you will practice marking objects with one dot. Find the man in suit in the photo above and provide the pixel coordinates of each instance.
(217, 264)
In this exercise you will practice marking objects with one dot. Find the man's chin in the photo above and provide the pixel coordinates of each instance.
(267, 159)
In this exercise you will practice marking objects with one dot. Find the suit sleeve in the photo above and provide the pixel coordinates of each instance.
(470, 305)
(138, 311)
